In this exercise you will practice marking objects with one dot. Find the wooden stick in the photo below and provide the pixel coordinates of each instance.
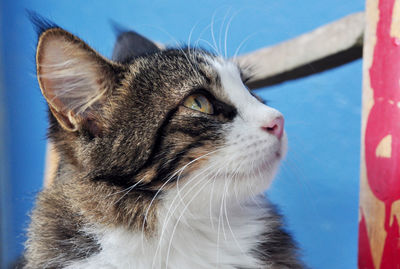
(327, 47)
(51, 165)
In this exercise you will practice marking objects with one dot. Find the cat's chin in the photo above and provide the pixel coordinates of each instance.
(263, 169)
(270, 161)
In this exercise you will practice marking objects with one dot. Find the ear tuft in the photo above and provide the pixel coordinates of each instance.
(40, 23)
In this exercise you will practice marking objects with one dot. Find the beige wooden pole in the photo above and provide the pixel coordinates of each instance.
(51, 164)
(326, 47)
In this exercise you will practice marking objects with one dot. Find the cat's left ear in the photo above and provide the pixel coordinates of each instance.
(74, 79)
(130, 44)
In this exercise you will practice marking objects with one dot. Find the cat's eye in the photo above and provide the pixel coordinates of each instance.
(200, 103)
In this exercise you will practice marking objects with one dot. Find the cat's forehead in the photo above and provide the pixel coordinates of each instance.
(181, 71)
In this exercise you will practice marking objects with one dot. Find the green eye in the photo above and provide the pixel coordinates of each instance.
(200, 103)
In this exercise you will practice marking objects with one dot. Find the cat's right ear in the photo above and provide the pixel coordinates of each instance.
(74, 79)
(130, 44)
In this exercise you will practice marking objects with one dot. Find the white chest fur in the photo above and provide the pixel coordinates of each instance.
(223, 240)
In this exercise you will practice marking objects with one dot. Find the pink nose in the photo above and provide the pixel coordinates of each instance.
(275, 127)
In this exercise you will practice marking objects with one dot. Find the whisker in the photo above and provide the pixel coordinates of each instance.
(220, 30)
(168, 214)
(241, 44)
(227, 31)
(178, 221)
(178, 46)
(129, 189)
(230, 228)
(212, 33)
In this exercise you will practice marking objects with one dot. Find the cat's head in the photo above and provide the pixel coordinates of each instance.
(173, 121)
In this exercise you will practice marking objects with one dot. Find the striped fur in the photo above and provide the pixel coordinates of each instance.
(146, 182)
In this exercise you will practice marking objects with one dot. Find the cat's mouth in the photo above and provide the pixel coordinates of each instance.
(259, 160)
(269, 163)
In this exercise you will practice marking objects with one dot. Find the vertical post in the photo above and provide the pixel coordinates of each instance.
(51, 165)
(379, 239)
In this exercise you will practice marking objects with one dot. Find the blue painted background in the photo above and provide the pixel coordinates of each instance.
(317, 189)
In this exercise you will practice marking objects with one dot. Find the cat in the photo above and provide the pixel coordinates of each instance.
(164, 157)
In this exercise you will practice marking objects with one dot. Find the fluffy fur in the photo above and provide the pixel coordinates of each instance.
(145, 181)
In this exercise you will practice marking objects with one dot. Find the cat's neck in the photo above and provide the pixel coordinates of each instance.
(185, 240)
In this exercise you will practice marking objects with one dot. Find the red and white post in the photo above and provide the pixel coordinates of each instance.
(379, 232)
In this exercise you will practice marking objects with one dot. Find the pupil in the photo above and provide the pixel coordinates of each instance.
(197, 102)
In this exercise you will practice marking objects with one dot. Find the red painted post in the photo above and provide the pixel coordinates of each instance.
(379, 233)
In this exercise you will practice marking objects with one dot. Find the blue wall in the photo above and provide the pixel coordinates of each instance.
(4, 184)
(317, 189)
